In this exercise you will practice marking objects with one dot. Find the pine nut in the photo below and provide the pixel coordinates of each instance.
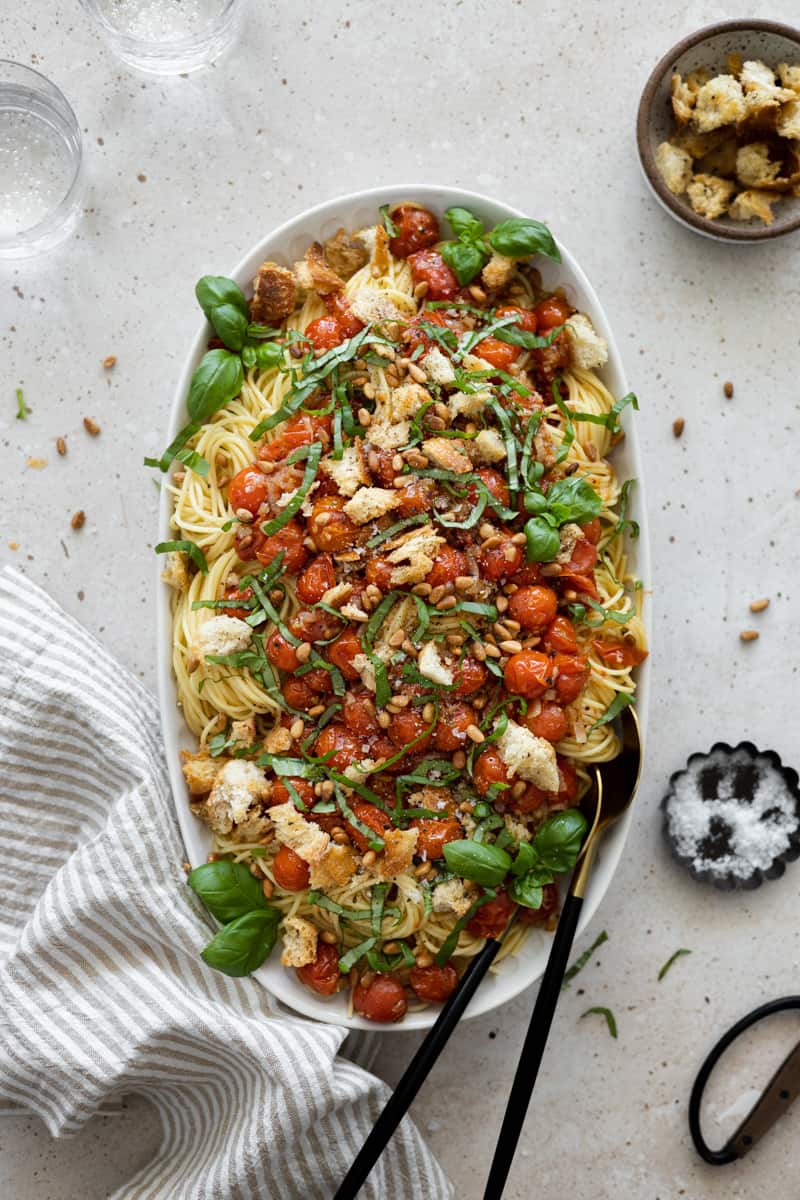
(424, 959)
(477, 293)
(78, 519)
(384, 720)
(519, 788)
(296, 729)
(401, 701)
(327, 789)
(678, 426)
(303, 652)
(510, 552)
(328, 937)
(397, 638)
(317, 710)
(398, 462)
(511, 646)
(474, 734)
(267, 887)
(759, 605)
(91, 426)
(416, 373)
(501, 603)
(423, 869)
(519, 539)
(421, 289)
(491, 543)
(340, 837)
(479, 651)
(464, 582)
(727, 388)
(110, 361)
(369, 858)
(486, 530)
(459, 759)
(369, 391)
(428, 713)
(244, 515)
(492, 651)
(364, 417)
(446, 603)
(748, 635)
(422, 589)
(61, 446)
(410, 648)
(391, 947)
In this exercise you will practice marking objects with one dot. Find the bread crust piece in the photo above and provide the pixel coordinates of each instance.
(709, 195)
(753, 203)
(675, 167)
(719, 102)
(345, 254)
(314, 275)
(299, 942)
(274, 294)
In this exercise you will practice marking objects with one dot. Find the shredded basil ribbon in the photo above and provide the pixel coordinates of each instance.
(309, 475)
(451, 941)
(190, 548)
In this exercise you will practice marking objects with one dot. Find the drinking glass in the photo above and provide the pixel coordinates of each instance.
(166, 37)
(41, 177)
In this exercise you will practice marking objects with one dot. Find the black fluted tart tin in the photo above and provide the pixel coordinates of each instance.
(722, 805)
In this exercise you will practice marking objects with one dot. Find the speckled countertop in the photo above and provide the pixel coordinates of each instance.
(537, 106)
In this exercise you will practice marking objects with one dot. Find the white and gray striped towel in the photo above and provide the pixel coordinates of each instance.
(102, 991)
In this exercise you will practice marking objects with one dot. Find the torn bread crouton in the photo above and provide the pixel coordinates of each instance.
(698, 145)
(445, 452)
(406, 401)
(589, 350)
(789, 77)
(683, 99)
(335, 869)
(293, 830)
(299, 942)
(244, 731)
(222, 635)
(431, 666)
(709, 195)
(345, 254)
(719, 102)
(277, 741)
(337, 594)
(675, 167)
(200, 771)
(454, 896)
(498, 272)
(349, 473)
(366, 669)
(518, 831)
(376, 240)
(176, 571)
(466, 404)
(413, 558)
(398, 854)
(788, 124)
(487, 447)
(437, 366)
(721, 160)
(369, 503)
(314, 275)
(373, 305)
(529, 757)
(753, 203)
(437, 799)
(274, 294)
(568, 536)
(386, 434)
(753, 165)
(238, 786)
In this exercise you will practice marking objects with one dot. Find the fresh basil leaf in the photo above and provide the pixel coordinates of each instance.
(388, 223)
(526, 857)
(621, 701)
(217, 380)
(535, 502)
(573, 499)
(558, 842)
(464, 223)
(349, 960)
(526, 892)
(190, 548)
(269, 354)
(483, 864)
(520, 236)
(227, 889)
(230, 325)
(288, 511)
(248, 357)
(582, 959)
(465, 260)
(242, 946)
(213, 291)
(543, 542)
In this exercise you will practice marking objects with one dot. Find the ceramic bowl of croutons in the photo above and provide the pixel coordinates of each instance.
(718, 131)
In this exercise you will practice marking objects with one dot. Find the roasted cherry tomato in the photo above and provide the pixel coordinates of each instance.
(324, 333)
(415, 336)
(549, 722)
(314, 625)
(408, 725)
(529, 674)
(578, 573)
(371, 815)
(549, 907)
(378, 571)
(281, 793)
(301, 430)
(450, 733)
(492, 917)
(501, 561)
(316, 579)
(573, 671)
(300, 694)
(346, 746)
(247, 490)
(488, 770)
(329, 526)
(434, 984)
(434, 834)
(233, 594)
(288, 542)
(593, 530)
(550, 313)
(342, 652)
(499, 354)
(358, 713)
(495, 484)
(322, 975)
(417, 229)
(338, 306)
(469, 677)
(525, 317)
(290, 871)
(281, 653)
(415, 497)
(560, 635)
(534, 607)
(533, 797)
(384, 999)
(448, 564)
(428, 266)
(619, 655)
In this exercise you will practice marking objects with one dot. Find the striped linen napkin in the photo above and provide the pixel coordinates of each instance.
(102, 991)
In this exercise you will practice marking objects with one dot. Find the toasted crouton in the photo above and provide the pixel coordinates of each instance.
(756, 76)
(568, 536)
(416, 553)
(293, 830)
(698, 145)
(467, 404)
(431, 666)
(406, 401)
(239, 786)
(487, 447)
(222, 635)
(721, 160)
(753, 203)
(349, 473)
(274, 294)
(753, 165)
(437, 366)
(709, 195)
(373, 305)
(369, 503)
(314, 275)
(176, 571)
(345, 254)
(386, 434)
(788, 123)
(498, 272)
(335, 869)
(454, 896)
(445, 452)
(789, 77)
(299, 942)
(675, 167)
(244, 731)
(518, 831)
(398, 854)
(719, 102)
(529, 757)
(200, 770)
(683, 99)
(589, 350)
(278, 740)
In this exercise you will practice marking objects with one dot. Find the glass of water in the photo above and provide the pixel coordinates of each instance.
(166, 37)
(41, 178)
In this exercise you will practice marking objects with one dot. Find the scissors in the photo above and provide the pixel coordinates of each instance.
(771, 1104)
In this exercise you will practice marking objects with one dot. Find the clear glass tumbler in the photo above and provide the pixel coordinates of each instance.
(41, 177)
(166, 37)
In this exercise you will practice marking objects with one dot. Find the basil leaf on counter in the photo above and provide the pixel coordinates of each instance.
(484, 864)
(603, 1012)
(227, 889)
(520, 236)
(243, 945)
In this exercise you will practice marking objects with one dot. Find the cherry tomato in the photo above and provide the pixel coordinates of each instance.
(383, 471)
(529, 674)
(417, 229)
(287, 541)
(235, 593)
(248, 490)
(450, 733)
(618, 655)
(358, 713)
(553, 358)
(428, 266)
(534, 797)
(568, 776)
(329, 526)
(560, 635)
(299, 693)
(342, 652)
(549, 907)
(534, 607)
(550, 313)
(592, 530)
(324, 333)
(301, 430)
(448, 564)
(501, 561)
(316, 579)
(415, 497)
(383, 1000)
(346, 746)
(371, 815)
(434, 834)
(495, 484)
(491, 918)
(528, 574)
(578, 573)
(290, 871)
(526, 317)
(415, 336)
(281, 793)
(490, 769)
(573, 671)
(379, 572)
(499, 354)
(408, 725)
(549, 722)
(469, 677)
(434, 984)
(322, 975)
(339, 307)
(281, 653)
(383, 747)
(314, 625)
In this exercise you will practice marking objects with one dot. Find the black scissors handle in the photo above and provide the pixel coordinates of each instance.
(779, 1093)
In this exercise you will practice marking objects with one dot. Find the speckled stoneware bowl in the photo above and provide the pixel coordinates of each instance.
(730, 786)
(769, 41)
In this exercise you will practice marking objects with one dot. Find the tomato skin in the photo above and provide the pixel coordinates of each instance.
(549, 907)
(324, 333)
(415, 497)
(347, 747)
(329, 526)
(501, 561)
(322, 975)
(529, 674)
(299, 693)
(235, 593)
(499, 354)
(491, 918)
(434, 834)
(384, 1000)
(549, 723)
(415, 336)
(378, 572)
(448, 564)
(290, 871)
(578, 573)
(408, 725)
(434, 984)
(342, 652)
(428, 266)
(469, 678)
(358, 713)
(619, 654)
(526, 317)
(316, 579)
(417, 229)
(247, 490)
(551, 313)
(573, 671)
(281, 653)
(282, 795)
(489, 769)
(450, 733)
(560, 635)
(287, 541)
(534, 607)
(313, 625)
(339, 307)
(383, 747)
(495, 484)
(593, 530)
(568, 786)
(367, 814)
(301, 430)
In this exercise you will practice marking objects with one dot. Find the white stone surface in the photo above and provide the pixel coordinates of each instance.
(535, 103)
